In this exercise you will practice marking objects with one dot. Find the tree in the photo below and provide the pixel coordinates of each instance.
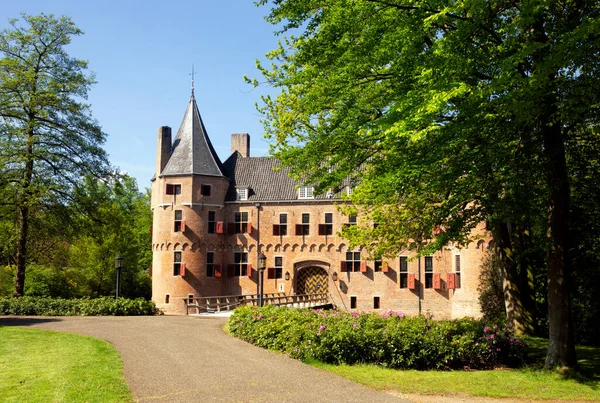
(48, 138)
(456, 112)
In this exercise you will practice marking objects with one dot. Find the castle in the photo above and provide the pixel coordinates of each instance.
(211, 219)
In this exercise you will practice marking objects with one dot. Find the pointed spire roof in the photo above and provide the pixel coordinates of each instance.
(192, 152)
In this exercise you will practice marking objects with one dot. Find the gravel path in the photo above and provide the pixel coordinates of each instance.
(190, 359)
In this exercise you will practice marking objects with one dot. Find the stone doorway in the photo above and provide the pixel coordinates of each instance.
(312, 280)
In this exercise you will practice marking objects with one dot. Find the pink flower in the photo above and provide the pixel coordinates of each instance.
(321, 328)
(486, 329)
(355, 325)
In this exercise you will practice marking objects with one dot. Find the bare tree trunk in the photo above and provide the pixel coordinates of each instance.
(21, 251)
(561, 346)
(24, 217)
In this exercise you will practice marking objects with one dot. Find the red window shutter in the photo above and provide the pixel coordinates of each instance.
(343, 266)
(271, 273)
(231, 228)
(182, 225)
(230, 270)
(249, 270)
(363, 267)
(219, 228)
(411, 281)
(276, 230)
(450, 281)
(217, 269)
(437, 281)
(249, 227)
(322, 229)
(385, 267)
(299, 229)
(182, 270)
(151, 228)
(170, 189)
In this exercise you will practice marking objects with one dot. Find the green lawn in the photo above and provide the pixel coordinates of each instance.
(532, 382)
(44, 366)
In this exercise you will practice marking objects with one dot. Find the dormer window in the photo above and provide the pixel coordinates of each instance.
(242, 194)
(306, 192)
(349, 190)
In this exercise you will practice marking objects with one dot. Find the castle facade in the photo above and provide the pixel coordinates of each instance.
(212, 219)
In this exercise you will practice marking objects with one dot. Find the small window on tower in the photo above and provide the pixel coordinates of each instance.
(211, 222)
(179, 225)
(352, 302)
(205, 190)
(173, 189)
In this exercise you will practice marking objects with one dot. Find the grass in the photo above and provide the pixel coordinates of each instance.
(532, 382)
(44, 366)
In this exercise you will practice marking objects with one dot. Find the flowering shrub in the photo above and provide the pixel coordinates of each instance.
(389, 339)
(76, 307)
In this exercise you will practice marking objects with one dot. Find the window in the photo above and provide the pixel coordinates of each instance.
(428, 271)
(179, 225)
(375, 302)
(190, 299)
(241, 222)
(403, 272)
(211, 222)
(205, 190)
(210, 264)
(173, 189)
(240, 264)
(327, 228)
(281, 228)
(283, 224)
(349, 190)
(351, 220)
(352, 262)
(178, 266)
(306, 192)
(457, 271)
(278, 267)
(242, 194)
(377, 264)
(167, 298)
(352, 302)
(304, 228)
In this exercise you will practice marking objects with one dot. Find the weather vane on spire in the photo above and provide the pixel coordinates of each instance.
(192, 78)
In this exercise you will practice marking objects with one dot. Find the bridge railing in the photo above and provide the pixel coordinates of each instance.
(230, 302)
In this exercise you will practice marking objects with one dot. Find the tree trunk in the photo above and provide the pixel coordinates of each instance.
(21, 250)
(516, 316)
(561, 344)
(26, 198)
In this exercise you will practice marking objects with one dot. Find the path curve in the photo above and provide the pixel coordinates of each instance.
(190, 359)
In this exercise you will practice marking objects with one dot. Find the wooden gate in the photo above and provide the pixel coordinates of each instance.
(312, 280)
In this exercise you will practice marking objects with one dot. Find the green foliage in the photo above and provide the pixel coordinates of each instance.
(104, 306)
(390, 339)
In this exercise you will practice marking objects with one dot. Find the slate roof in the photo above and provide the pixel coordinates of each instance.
(192, 151)
(264, 182)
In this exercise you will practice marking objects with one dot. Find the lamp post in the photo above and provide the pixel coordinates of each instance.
(118, 266)
(262, 264)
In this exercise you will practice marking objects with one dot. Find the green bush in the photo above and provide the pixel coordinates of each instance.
(389, 339)
(76, 307)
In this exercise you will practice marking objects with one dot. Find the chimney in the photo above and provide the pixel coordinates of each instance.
(163, 151)
(241, 142)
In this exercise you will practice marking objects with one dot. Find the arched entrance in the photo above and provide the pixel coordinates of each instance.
(312, 280)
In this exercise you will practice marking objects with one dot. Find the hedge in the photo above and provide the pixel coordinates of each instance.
(389, 339)
(43, 306)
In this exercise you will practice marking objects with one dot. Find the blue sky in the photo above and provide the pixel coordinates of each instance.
(142, 53)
